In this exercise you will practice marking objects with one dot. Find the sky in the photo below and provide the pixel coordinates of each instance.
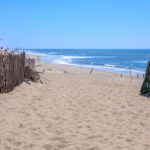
(91, 24)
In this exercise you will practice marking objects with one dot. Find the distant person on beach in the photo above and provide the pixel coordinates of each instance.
(143, 75)
(65, 71)
(91, 71)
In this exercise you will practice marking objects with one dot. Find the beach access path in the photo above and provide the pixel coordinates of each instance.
(75, 111)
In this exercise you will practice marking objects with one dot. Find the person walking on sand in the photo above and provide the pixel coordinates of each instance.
(65, 71)
(91, 71)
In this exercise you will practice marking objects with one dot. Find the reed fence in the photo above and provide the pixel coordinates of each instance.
(11, 71)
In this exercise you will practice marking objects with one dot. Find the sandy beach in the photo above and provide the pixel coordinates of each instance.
(75, 111)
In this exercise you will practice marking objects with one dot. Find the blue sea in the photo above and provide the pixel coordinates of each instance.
(109, 60)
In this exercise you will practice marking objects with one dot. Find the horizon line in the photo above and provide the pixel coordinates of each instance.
(91, 48)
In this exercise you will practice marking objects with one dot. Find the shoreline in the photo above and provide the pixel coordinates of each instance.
(104, 68)
(75, 70)
(115, 70)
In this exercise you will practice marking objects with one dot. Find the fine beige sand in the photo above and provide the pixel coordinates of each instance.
(75, 111)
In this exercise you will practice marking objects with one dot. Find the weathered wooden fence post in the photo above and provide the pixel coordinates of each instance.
(146, 83)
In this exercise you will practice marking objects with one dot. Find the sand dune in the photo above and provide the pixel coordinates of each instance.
(75, 111)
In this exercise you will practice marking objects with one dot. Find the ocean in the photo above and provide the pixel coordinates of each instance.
(110, 60)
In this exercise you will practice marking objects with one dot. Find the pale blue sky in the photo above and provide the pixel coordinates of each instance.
(75, 23)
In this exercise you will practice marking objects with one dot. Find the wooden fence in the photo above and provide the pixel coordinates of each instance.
(11, 71)
(145, 89)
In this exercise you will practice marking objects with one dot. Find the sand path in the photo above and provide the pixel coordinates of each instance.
(75, 111)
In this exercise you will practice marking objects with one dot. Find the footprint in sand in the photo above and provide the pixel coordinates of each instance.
(147, 146)
(17, 144)
(93, 148)
(129, 140)
(27, 146)
(7, 148)
(47, 147)
(21, 126)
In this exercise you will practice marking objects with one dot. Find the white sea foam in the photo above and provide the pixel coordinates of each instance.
(105, 56)
(51, 53)
(76, 57)
(141, 62)
(60, 62)
(86, 57)
(51, 57)
(107, 65)
(28, 52)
